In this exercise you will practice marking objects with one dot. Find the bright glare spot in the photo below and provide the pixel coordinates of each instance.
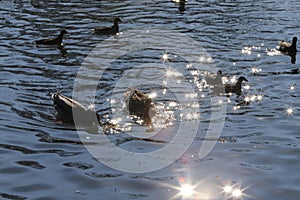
(117, 120)
(247, 87)
(172, 73)
(237, 193)
(236, 107)
(165, 57)
(290, 111)
(205, 59)
(186, 191)
(247, 99)
(227, 189)
(112, 101)
(224, 79)
(253, 98)
(255, 69)
(188, 66)
(273, 52)
(91, 107)
(152, 95)
(259, 97)
(258, 55)
(172, 104)
(292, 87)
(87, 138)
(247, 50)
(233, 79)
(191, 95)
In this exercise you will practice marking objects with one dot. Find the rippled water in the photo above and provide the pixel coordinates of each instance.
(258, 149)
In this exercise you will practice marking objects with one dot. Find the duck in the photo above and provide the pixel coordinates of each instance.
(288, 48)
(215, 81)
(140, 105)
(53, 41)
(237, 88)
(66, 109)
(111, 30)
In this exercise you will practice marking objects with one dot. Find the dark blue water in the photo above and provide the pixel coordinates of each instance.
(258, 147)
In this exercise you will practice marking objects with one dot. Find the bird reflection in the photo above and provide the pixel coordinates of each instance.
(63, 50)
(181, 5)
(215, 81)
(292, 71)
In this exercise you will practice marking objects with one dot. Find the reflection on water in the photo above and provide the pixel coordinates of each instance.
(257, 154)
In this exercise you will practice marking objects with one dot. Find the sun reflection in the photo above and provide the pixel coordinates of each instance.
(255, 70)
(292, 87)
(165, 57)
(186, 191)
(247, 99)
(152, 95)
(172, 73)
(247, 50)
(233, 191)
(237, 193)
(205, 59)
(247, 87)
(259, 97)
(227, 189)
(290, 111)
(91, 106)
(253, 98)
(172, 104)
(236, 107)
(233, 79)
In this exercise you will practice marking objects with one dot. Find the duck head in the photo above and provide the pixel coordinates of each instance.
(294, 41)
(117, 20)
(242, 78)
(62, 32)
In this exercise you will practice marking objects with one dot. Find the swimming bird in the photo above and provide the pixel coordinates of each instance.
(140, 105)
(288, 48)
(111, 30)
(215, 81)
(237, 88)
(53, 41)
(67, 108)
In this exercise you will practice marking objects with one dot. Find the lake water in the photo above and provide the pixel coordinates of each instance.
(257, 151)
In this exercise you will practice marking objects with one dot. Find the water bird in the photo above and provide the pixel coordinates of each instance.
(67, 108)
(215, 81)
(111, 30)
(237, 88)
(288, 48)
(52, 41)
(140, 105)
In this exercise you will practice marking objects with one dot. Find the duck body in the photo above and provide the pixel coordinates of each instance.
(215, 81)
(139, 104)
(66, 109)
(237, 88)
(111, 30)
(289, 48)
(53, 41)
